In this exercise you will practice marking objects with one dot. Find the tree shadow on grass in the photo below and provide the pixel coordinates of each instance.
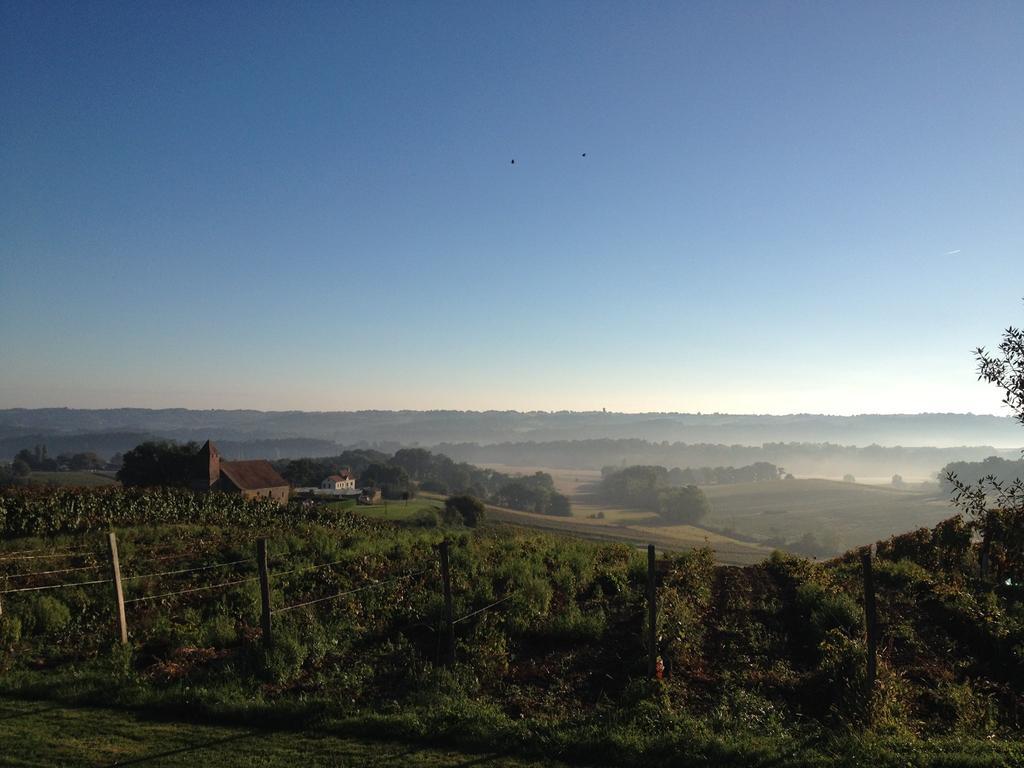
(29, 712)
(186, 749)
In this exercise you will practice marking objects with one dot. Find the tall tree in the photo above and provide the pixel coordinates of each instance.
(996, 505)
(159, 462)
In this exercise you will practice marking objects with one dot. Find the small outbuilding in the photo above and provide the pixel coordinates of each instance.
(369, 496)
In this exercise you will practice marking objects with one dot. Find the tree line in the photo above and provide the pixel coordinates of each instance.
(38, 459)
(166, 463)
(804, 459)
(649, 487)
(408, 470)
(758, 472)
(973, 472)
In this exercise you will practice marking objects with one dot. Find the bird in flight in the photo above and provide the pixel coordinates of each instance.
(584, 154)
(513, 161)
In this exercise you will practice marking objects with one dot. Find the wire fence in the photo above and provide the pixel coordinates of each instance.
(304, 569)
(486, 608)
(182, 572)
(13, 555)
(190, 590)
(265, 577)
(187, 570)
(29, 574)
(266, 574)
(53, 556)
(55, 586)
(349, 591)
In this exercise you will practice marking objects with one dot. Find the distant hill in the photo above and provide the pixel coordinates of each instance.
(392, 429)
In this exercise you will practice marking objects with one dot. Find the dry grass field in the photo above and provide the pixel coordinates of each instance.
(854, 513)
(634, 526)
(845, 514)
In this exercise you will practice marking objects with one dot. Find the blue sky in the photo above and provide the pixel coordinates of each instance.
(813, 207)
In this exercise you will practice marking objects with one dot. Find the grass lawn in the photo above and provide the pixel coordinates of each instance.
(71, 479)
(39, 733)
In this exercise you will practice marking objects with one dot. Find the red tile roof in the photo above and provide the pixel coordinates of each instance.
(251, 475)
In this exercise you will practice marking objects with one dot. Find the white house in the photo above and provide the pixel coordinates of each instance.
(343, 481)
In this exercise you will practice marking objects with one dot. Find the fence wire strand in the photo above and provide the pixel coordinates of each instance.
(8, 555)
(190, 590)
(305, 568)
(187, 570)
(50, 573)
(485, 608)
(56, 556)
(55, 586)
(349, 591)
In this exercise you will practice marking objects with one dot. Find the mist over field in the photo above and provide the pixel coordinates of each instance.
(410, 427)
(916, 445)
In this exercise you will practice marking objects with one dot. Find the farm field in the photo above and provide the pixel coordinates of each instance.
(71, 479)
(675, 537)
(845, 514)
(40, 734)
(854, 513)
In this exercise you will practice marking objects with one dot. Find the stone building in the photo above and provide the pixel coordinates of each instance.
(253, 479)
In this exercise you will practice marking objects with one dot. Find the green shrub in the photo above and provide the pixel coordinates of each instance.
(51, 615)
(530, 600)
(218, 632)
(826, 610)
(487, 652)
(467, 510)
(840, 683)
(426, 518)
(573, 624)
(284, 660)
(963, 708)
(10, 631)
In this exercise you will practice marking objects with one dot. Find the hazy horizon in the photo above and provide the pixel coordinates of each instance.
(606, 411)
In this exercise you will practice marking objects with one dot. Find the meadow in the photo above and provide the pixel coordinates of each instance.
(424, 507)
(853, 513)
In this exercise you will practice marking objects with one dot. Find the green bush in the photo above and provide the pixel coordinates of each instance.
(51, 615)
(426, 518)
(218, 632)
(10, 631)
(839, 686)
(467, 510)
(283, 662)
(826, 610)
(573, 624)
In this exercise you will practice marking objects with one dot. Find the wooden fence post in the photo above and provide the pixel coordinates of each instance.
(261, 559)
(870, 617)
(652, 615)
(115, 567)
(449, 618)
